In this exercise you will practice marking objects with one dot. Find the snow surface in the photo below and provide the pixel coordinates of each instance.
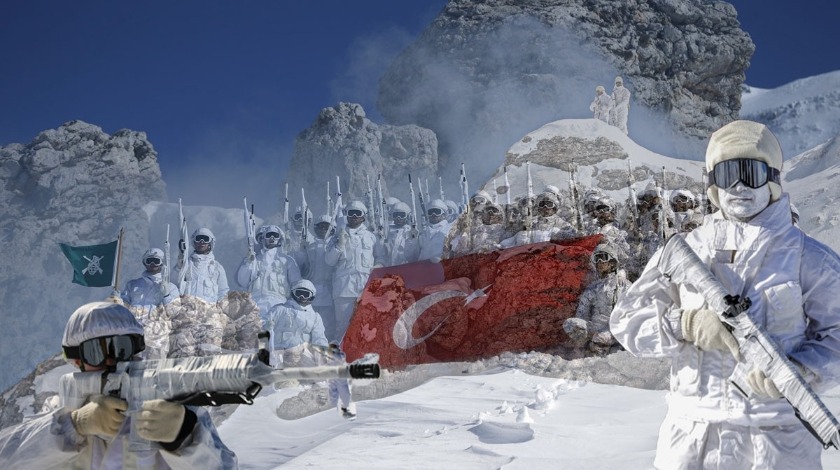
(502, 418)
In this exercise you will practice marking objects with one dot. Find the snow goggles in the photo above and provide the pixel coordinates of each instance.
(153, 261)
(274, 235)
(97, 351)
(202, 239)
(355, 213)
(492, 210)
(753, 173)
(602, 256)
(603, 208)
(435, 211)
(681, 198)
(399, 215)
(479, 200)
(546, 204)
(298, 216)
(304, 294)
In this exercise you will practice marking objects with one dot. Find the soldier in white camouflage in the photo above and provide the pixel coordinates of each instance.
(316, 269)
(597, 301)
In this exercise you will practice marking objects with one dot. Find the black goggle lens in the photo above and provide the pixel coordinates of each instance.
(547, 204)
(355, 213)
(303, 294)
(202, 239)
(153, 261)
(399, 215)
(599, 257)
(753, 173)
(435, 211)
(274, 235)
(120, 348)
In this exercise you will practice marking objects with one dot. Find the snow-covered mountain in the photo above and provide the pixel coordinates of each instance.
(510, 418)
(803, 114)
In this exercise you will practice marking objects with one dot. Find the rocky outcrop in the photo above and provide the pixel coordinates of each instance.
(343, 141)
(75, 185)
(487, 71)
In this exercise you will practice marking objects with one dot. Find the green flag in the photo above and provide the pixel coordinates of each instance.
(93, 266)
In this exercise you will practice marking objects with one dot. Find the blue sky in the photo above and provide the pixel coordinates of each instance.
(215, 81)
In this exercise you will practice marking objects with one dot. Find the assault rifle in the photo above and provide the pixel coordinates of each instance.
(372, 207)
(382, 215)
(183, 265)
(758, 349)
(573, 190)
(413, 208)
(632, 200)
(339, 206)
(286, 210)
(164, 272)
(196, 381)
(250, 229)
(465, 191)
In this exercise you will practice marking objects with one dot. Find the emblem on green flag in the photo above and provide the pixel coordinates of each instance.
(93, 265)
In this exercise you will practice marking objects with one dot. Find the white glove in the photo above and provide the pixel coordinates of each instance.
(160, 420)
(342, 238)
(604, 338)
(102, 416)
(762, 385)
(703, 328)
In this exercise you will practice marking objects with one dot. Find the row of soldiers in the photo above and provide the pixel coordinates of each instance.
(327, 264)
(310, 276)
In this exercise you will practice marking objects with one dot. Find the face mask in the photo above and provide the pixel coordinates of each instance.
(743, 203)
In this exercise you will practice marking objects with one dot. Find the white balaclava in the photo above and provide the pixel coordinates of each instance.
(744, 139)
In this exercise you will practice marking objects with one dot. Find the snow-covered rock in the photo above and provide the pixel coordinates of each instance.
(486, 72)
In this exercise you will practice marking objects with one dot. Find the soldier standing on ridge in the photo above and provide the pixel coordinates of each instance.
(621, 105)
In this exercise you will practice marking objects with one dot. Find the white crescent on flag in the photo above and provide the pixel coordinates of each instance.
(405, 323)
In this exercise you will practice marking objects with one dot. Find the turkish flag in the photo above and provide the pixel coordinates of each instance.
(470, 307)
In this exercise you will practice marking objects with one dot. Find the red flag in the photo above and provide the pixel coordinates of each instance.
(470, 307)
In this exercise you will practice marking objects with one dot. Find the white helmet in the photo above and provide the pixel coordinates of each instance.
(299, 214)
(682, 192)
(391, 201)
(205, 232)
(481, 194)
(356, 205)
(452, 207)
(439, 204)
(260, 235)
(153, 253)
(552, 189)
(299, 291)
(618, 81)
(400, 207)
(98, 319)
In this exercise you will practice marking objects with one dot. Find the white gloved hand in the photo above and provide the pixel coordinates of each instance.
(604, 338)
(102, 416)
(160, 420)
(762, 385)
(342, 238)
(703, 328)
